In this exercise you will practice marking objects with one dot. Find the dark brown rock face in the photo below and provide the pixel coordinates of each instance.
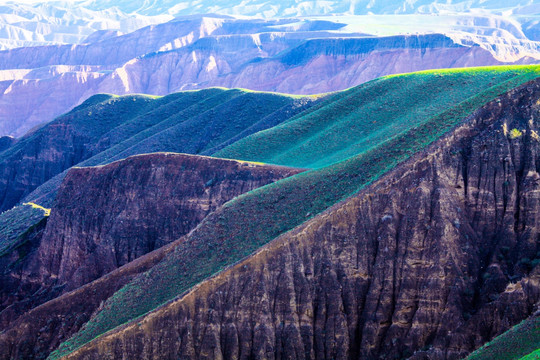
(39, 331)
(106, 217)
(40, 158)
(431, 261)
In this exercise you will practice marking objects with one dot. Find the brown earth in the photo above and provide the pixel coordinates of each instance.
(103, 218)
(434, 259)
(107, 216)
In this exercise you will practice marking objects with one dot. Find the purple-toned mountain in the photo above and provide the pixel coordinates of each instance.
(288, 55)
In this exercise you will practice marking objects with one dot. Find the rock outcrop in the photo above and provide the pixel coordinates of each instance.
(39, 331)
(431, 261)
(106, 217)
(107, 128)
(6, 142)
(43, 157)
(49, 151)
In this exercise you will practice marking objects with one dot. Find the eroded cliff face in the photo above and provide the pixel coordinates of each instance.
(430, 262)
(34, 334)
(332, 64)
(40, 162)
(106, 217)
(40, 156)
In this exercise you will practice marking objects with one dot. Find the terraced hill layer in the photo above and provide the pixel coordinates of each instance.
(425, 262)
(354, 143)
(358, 120)
(106, 217)
(108, 128)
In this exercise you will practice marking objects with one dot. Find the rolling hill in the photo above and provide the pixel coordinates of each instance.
(40, 83)
(394, 166)
(107, 128)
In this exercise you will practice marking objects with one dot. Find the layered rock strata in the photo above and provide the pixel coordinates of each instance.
(431, 261)
(106, 217)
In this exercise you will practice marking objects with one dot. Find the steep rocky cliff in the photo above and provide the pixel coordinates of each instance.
(109, 216)
(333, 64)
(55, 148)
(107, 128)
(39, 331)
(431, 261)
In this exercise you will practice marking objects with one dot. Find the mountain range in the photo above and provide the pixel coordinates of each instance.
(111, 252)
(306, 56)
(257, 180)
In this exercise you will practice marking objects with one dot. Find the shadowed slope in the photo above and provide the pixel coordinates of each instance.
(426, 262)
(254, 219)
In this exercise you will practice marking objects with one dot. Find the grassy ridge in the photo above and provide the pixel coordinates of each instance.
(14, 222)
(520, 342)
(252, 220)
(190, 122)
(117, 127)
(532, 356)
(361, 118)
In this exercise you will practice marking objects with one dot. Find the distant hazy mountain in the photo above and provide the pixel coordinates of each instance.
(57, 22)
(264, 8)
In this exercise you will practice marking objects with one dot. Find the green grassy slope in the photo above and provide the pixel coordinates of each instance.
(532, 356)
(520, 342)
(117, 127)
(361, 118)
(190, 122)
(252, 220)
(14, 222)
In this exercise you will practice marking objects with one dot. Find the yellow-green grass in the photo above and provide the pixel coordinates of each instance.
(121, 126)
(46, 212)
(193, 122)
(252, 220)
(535, 355)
